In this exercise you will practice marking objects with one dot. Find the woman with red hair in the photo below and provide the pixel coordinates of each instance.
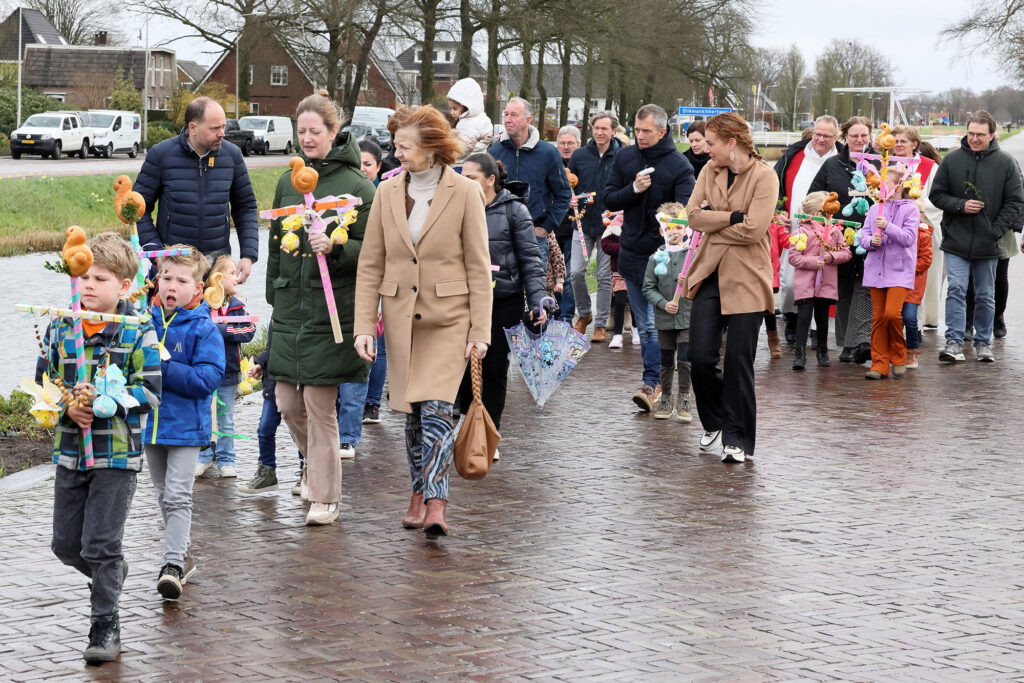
(425, 261)
(730, 282)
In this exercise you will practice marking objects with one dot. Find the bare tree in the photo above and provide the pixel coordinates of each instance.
(995, 28)
(92, 89)
(789, 84)
(843, 64)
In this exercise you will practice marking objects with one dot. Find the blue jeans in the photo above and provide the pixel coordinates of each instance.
(910, 322)
(270, 420)
(350, 404)
(225, 452)
(542, 243)
(643, 319)
(958, 271)
(378, 373)
(567, 299)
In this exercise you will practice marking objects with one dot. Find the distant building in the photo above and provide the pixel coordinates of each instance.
(512, 78)
(35, 29)
(446, 70)
(190, 73)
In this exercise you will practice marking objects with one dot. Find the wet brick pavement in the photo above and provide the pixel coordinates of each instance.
(877, 535)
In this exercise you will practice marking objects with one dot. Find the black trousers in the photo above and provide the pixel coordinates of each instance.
(819, 308)
(725, 396)
(506, 312)
(1002, 291)
(619, 301)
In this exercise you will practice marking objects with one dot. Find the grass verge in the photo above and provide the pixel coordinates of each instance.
(37, 210)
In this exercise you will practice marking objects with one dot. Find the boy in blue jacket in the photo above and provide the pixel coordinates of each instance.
(192, 365)
(90, 503)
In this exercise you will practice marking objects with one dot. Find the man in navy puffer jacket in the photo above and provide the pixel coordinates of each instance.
(193, 180)
(638, 197)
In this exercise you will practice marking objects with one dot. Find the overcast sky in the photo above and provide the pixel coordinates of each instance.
(924, 61)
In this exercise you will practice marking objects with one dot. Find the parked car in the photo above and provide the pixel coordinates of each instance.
(113, 131)
(806, 123)
(379, 135)
(270, 133)
(50, 133)
(374, 117)
(243, 138)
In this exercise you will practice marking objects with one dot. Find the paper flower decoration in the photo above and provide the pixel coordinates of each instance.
(46, 409)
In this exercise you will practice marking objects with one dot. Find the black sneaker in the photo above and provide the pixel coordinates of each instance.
(847, 355)
(104, 641)
(999, 328)
(371, 415)
(265, 479)
(169, 584)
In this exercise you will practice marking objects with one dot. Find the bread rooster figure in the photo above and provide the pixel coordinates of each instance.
(831, 205)
(125, 198)
(76, 253)
(885, 140)
(214, 294)
(304, 178)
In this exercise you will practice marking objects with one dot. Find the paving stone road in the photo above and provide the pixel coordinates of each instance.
(877, 536)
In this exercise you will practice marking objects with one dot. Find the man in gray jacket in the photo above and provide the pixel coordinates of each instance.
(979, 191)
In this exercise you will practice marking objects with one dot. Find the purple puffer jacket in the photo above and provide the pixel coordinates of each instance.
(892, 263)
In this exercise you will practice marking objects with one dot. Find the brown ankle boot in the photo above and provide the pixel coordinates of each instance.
(434, 524)
(417, 511)
(774, 350)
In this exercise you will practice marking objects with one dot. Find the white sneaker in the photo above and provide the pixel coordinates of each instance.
(203, 467)
(636, 337)
(711, 442)
(297, 486)
(348, 451)
(497, 456)
(733, 454)
(616, 342)
(322, 513)
(304, 486)
(228, 472)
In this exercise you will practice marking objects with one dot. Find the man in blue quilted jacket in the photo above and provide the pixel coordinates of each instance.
(199, 184)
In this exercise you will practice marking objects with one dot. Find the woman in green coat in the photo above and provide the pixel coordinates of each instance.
(304, 358)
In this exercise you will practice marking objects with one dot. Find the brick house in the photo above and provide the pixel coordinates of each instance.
(190, 73)
(35, 29)
(280, 77)
(83, 75)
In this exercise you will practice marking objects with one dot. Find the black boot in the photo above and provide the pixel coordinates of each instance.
(790, 328)
(801, 358)
(862, 354)
(823, 361)
(846, 355)
(999, 328)
(104, 641)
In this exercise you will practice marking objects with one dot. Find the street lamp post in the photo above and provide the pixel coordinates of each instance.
(18, 124)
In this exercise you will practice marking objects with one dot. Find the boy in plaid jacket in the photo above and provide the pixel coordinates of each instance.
(91, 503)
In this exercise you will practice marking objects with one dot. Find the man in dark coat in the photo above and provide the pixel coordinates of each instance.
(592, 166)
(199, 184)
(638, 195)
(979, 191)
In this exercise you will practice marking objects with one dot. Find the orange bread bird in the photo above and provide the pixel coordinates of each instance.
(125, 196)
(304, 179)
(76, 253)
(831, 206)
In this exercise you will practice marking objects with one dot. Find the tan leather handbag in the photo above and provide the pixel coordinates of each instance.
(478, 438)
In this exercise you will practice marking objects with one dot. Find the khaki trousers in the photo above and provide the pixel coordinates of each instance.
(312, 420)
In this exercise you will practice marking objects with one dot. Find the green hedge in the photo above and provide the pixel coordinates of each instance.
(157, 133)
(32, 102)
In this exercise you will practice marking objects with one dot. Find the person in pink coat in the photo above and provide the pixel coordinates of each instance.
(815, 251)
(890, 237)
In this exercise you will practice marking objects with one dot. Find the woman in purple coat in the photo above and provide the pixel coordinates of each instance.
(890, 237)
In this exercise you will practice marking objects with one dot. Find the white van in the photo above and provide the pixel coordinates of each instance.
(270, 133)
(371, 117)
(114, 131)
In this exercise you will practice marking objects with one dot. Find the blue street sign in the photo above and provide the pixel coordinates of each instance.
(703, 111)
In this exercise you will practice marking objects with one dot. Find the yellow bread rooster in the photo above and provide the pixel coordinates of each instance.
(885, 140)
(304, 179)
(214, 294)
(76, 253)
(125, 196)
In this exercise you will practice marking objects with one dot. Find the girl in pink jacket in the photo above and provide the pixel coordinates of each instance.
(815, 251)
(890, 237)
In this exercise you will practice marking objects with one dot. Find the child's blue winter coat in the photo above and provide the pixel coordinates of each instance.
(191, 375)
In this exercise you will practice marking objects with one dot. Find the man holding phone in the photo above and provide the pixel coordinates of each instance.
(644, 176)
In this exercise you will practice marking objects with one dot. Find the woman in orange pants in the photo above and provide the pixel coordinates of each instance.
(890, 237)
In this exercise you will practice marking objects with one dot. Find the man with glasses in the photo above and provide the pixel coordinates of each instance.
(979, 191)
(569, 140)
(796, 169)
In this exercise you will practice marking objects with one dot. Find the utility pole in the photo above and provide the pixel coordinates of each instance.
(20, 49)
(145, 94)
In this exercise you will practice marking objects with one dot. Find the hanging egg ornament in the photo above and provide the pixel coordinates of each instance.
(340, 235)
(289, 243)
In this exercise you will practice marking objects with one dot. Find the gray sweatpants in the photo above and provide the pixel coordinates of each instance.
(173, 471)
(579, 279)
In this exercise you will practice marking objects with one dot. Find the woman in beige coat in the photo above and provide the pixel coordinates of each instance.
(425, 259)
(730, 282)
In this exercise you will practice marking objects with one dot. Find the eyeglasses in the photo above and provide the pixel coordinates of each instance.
(824, 136)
